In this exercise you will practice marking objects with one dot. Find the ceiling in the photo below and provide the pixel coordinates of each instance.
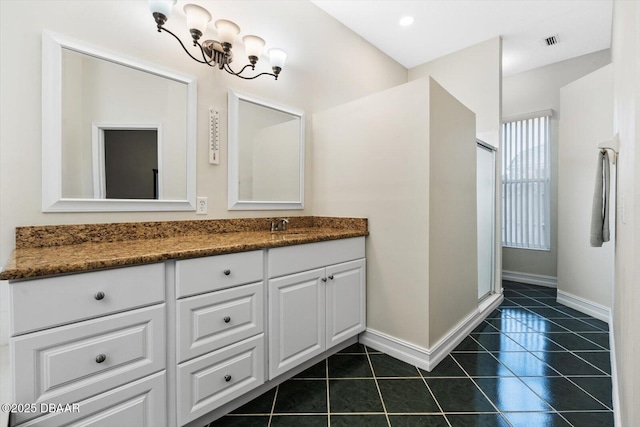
(444, 26)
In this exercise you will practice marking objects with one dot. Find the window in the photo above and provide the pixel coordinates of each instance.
(526, 170)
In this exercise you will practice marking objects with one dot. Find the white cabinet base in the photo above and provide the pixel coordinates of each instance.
(141, 403)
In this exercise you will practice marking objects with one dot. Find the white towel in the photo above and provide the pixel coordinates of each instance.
(600, 208)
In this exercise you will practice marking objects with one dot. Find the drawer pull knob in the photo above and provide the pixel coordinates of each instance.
(324, 279)
(331, 277)
(99, 295)
(100, 358)
(227, 272)
(227, 378)
(227, 319)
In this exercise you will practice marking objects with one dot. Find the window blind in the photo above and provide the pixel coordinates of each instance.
(526, 171)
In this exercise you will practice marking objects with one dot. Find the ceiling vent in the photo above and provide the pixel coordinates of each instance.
(549, 41)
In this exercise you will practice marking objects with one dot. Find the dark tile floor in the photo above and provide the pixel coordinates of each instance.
(532, 362)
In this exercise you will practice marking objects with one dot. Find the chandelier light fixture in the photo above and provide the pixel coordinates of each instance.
(217, 53)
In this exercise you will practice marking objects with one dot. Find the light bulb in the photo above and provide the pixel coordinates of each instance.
(227, 32)
(161, 10)
(277, 58)
(197, 19)
(162, 6)
(253, 47)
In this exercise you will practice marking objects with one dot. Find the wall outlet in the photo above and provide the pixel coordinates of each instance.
(201, 206)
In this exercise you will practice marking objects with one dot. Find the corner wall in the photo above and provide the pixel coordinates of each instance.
(371, 159)
(585, 274)
(453, 244)
(406, 159)
(473, 76)
(626, 300)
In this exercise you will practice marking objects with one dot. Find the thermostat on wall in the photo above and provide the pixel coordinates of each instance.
(214, 136)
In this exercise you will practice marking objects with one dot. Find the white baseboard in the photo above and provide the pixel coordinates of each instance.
(428, 358)
(585, 306)
(617, 420)
(531, 279)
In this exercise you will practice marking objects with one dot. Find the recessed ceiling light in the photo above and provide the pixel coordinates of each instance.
(406, 21)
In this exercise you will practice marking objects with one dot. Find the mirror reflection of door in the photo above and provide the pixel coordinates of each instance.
(131, 163)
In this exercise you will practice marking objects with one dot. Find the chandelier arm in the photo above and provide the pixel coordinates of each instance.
(183, 46)
(249, 78)
(229, 70)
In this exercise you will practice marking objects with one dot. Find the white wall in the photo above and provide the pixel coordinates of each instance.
(373, 158)
(472, 75)
(536, 90)
(316, 76)
(626, 303)
(587, 119)
(453, 256)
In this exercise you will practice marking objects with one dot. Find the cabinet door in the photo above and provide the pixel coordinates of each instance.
(346, 301)
(296, 319)
(141, 403)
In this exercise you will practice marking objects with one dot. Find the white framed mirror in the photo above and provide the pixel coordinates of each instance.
(118, 134)
(266, 154)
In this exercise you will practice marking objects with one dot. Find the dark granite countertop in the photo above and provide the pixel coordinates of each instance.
(51, 250)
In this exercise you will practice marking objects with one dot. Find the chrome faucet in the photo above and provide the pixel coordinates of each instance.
(279, 224)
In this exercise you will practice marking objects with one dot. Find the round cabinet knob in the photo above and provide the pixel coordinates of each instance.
(331, 277)
(227, 319)
(99, 295)
(227, 378)
(100, 358)
(227, 272)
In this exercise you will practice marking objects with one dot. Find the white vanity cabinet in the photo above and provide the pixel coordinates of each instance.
(173, 343)
(219, 331)
(316, 300)
(88, 333)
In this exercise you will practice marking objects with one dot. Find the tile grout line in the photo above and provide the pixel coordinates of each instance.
(424, 380)
(482, 391)
(326, 371)
(375, 379)
(273, 405)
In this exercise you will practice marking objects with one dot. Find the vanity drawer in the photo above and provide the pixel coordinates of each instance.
(201, 275)
(69, 363)
(212, 380)
(141, 403)
(294, 259)
(211, 321)
(43, 303)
